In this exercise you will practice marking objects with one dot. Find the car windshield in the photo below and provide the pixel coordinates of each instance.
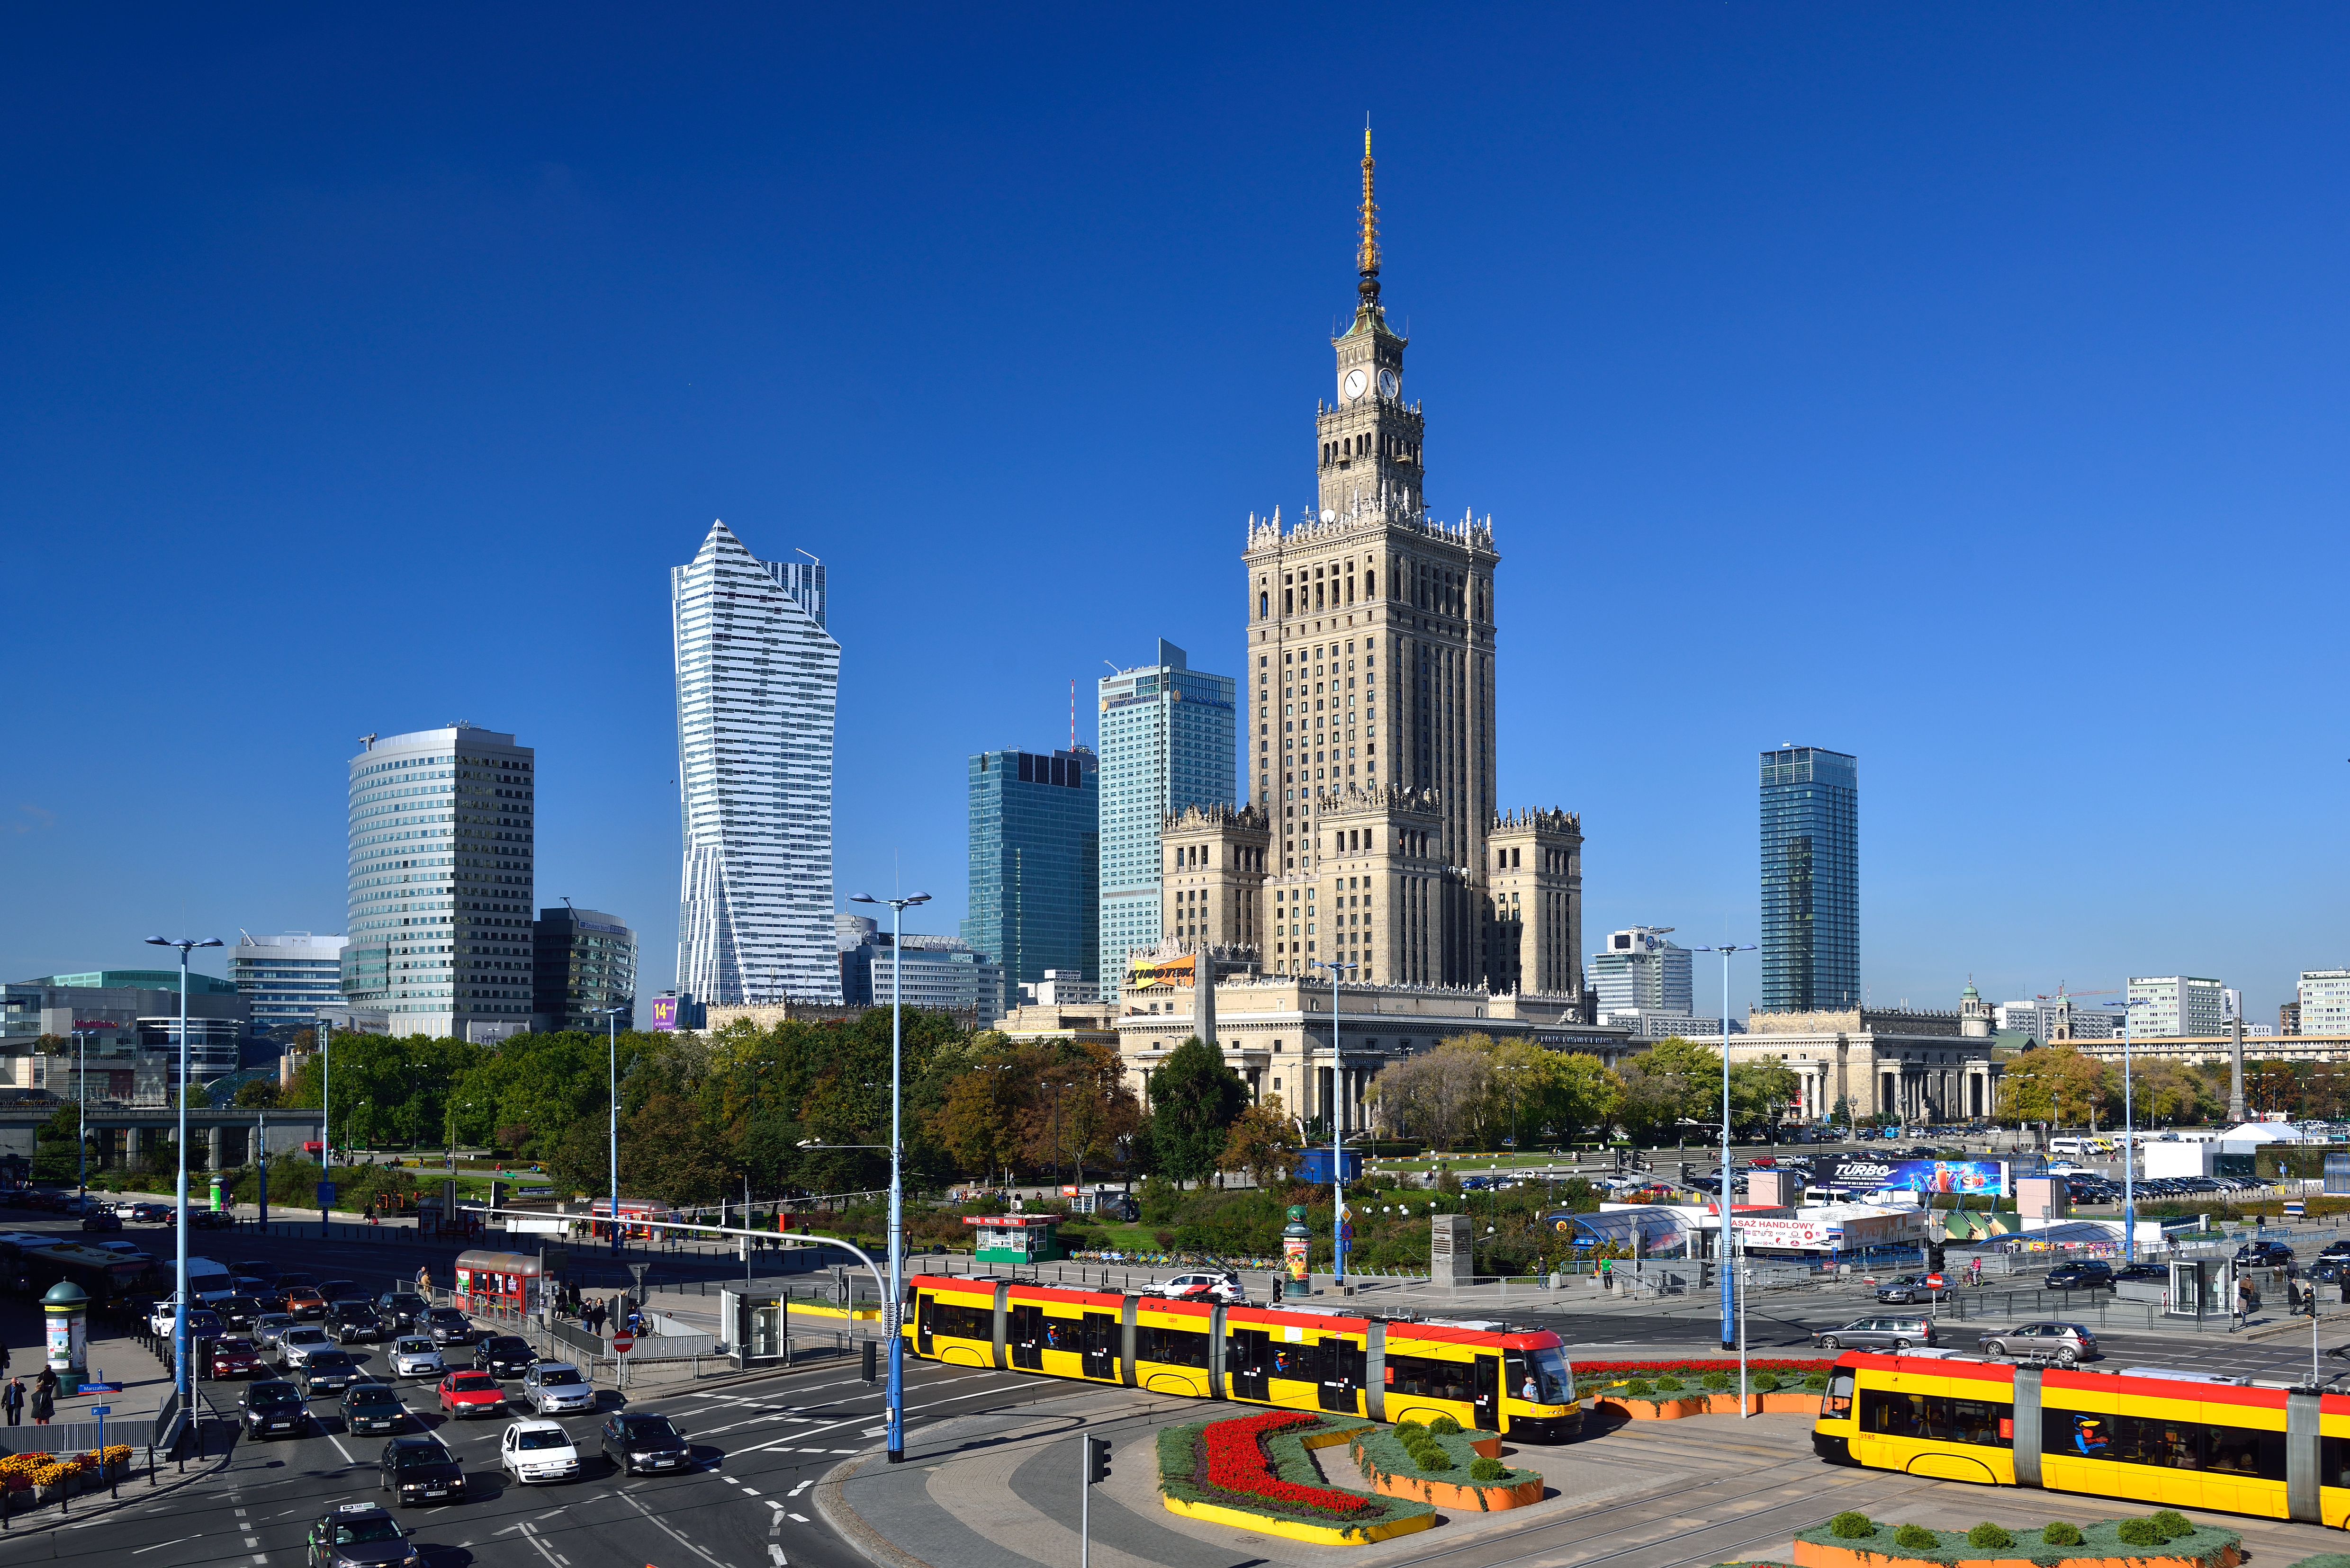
(307, 1335)
(328, 1361)
(507, 1344)
(418, 1457)
(646, 1429)
(476, 1383)
(545, 1437)
(373, 1394)
(233, 1347)
(366, 1530)
(447, 1315)
(560, 1376)
(266, 1394)
(414, 1347)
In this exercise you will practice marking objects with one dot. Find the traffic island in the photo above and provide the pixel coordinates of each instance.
(1442, 1468)
(1256, 1472)
(2165, 1540)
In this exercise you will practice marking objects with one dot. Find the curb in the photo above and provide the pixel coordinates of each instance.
(849, 1525)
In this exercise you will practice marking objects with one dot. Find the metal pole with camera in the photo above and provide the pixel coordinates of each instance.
(895, 1398)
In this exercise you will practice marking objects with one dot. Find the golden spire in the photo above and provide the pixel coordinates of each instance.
(1367, 254)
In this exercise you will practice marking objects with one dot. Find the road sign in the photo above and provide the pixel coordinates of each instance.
(1934, 1282)
(623, 1342)
(101, 1389)
(98, 1409)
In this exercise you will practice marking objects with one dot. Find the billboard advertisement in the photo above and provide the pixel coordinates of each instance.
(1871, 1173)
(1844, 1233)
(664, 1013)
(1143, 974)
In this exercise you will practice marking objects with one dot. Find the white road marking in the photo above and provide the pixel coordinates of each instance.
(799, 1519)
(802, 1487)
(340, 1450)
(160, 1544)
(664, 1527)
(775, 1554)
(748, 1491)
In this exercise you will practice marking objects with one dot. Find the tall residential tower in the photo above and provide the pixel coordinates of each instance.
(1166, 745)
(1811, 880)
(758, 680)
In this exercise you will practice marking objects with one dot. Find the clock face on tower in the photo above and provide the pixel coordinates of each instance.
(1354, 383)
(1386, 383)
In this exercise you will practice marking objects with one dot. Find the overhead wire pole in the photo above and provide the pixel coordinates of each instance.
(1732, 1337)
(895, 1401)
(183, 1370)
(1338, 1134)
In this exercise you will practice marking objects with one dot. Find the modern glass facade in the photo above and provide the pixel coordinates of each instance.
(288, 978)
(1036, 850)
(1639, 969)
(586, 961)
(1167, 742)
(758, 682)
(1811, 879)
(442, 877)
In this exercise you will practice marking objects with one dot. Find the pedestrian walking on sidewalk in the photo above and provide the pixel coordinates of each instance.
(12, 1400)
(45, 1397)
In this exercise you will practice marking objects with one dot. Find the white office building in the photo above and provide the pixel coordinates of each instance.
(442, 865)
(2324, 997)
(2059, 1017)
(758, 684)
(1167, 742)
(1639, 969)
(2178, 1005)
(288, 978)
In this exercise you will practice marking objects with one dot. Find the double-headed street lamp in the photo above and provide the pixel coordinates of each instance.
(185, 1374)
(1338, 1134)
(2129, 1136)
(612, 1116)
(1732, 1339)
(896, 1398)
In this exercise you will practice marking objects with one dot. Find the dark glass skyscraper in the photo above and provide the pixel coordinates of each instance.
(1036, 880)
(1811, 879)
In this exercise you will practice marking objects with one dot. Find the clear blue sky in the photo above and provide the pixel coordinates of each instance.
(1962, 389)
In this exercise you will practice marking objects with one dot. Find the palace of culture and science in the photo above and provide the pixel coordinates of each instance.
(1374, 841)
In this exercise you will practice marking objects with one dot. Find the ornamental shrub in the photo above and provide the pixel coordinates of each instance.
(1715, 1382)
(1406, 1430)
(1668, 1383)
(1444, 1426)
(1639, 1386)
(2172, 1523)
(1815, 1382)
(1990, 1536)
(2139, 1533)
(1850, 1525)
(1763, 1383)
(1432, 1457)
(1488, 1470)
(1917, 1538)
(2058, 1532)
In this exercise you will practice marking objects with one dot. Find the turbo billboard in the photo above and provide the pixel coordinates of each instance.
(1870, 1173)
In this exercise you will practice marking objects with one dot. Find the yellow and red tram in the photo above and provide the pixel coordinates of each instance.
(2167, 1438)
(1486, 1378)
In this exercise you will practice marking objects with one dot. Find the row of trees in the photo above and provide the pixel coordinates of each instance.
(2060, 1084)
(1484, 1092)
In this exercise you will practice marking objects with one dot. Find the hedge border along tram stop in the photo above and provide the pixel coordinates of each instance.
(1017, 1238)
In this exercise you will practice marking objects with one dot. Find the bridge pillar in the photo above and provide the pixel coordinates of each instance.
(215, 1146)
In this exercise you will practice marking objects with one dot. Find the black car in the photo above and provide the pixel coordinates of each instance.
(102, 1220)
(353, 1323)
(2264, 1254)
(239, 1312)
(421, 1470)
(360, 1535)
(273, 1407)
(635, 1443)
(2087, 1275)
(401, 1311)
(211, 1219)
(371, 1407)
(504, 1356)
(255, 1269)
(2326, 1270)
(2142, 1271)
(327, 1372)
(447, 1326)
(341, 1291)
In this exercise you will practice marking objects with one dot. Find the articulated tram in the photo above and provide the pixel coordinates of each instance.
(1389, 1369)
(2163, 1439)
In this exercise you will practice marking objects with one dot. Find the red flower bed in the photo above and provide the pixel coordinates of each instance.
(1237, 1463)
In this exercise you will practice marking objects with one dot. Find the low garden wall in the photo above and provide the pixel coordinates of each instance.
(1254, 1472)
(2165, 1540)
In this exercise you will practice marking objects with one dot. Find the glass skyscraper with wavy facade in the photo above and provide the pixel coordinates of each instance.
(1167, 742)
(1811, 879)
(758, 681)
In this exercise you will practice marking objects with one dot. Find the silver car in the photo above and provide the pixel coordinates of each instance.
(2066, 1343)
(556, 1387)
(268, 1326)
(1897, 1332)
(294, 1344)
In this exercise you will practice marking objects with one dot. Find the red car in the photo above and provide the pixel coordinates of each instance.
(466, 1393)
(235, 1358)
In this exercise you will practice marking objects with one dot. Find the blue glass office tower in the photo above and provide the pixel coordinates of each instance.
(1167, 741)
(1811, 879)
(1035, 841)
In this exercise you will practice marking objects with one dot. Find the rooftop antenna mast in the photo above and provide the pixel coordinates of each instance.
(1073, 715)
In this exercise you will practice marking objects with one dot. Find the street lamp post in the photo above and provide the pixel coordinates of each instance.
(612, 1112)
(1337, 1133)
(81, 1113)
(1733, 1338)
(896, 1397)
(183, 1374)
(2129, 1136)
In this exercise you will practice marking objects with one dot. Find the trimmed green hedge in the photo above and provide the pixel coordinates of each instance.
(2058, 1541)
(1416, 1454)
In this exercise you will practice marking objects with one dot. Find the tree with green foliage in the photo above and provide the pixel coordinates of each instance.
(1759, 1093)
(1194, 1100)
(1673, 1081)
(1263, 1143)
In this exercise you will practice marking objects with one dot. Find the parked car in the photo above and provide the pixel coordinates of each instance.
(556, 1387)
(102, 1220)
(210, 1219)
(152, 1213)
(2083, 1274)
(1878, 1333)
(1910, 1289)
(298, 1344)
(420, 1470)
(447, 1326)
(1204, 1284)
(643, 1443)
(326, 1371)
(415, 1355)
(273, 1407)
(235, 1357)
(507, 1356)
(358, 1535)
(535, 1452)
(2066, 1343)
(465, 1394)
(371, 1407)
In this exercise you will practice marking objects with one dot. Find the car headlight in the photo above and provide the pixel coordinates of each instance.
(640, 1458)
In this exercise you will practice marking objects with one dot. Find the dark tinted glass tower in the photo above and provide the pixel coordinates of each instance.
(1811, 879)
(1036, 838)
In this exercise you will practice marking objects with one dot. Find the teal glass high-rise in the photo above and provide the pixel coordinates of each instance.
(1811, 879)
(1168, 741)
(1035, 842)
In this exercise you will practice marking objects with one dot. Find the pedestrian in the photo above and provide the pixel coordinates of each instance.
(12, 1400)
(45, 1397)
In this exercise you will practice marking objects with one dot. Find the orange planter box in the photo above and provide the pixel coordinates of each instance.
(1811, 1554)
(1462, 1498)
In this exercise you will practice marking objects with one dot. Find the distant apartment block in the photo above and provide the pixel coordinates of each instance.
(2321, 1003)
(287, 979)
(2176, 1004)
(1639, 969)
(2059, 1017)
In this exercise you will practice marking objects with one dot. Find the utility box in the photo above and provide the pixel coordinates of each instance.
(1452, 1253)
(2042, 1197)
(1313, 1166)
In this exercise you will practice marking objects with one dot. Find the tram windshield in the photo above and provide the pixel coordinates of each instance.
(1548, 1379)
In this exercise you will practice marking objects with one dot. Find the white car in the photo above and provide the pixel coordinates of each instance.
(415, 1355)
(118, 1248)
(535, 1451)
(1204, 1284)
(295, 1345)
(551, 1387)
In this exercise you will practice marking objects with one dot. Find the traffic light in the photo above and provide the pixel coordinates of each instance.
(1096, 1460)
(1934, 1257)
(872, 1360)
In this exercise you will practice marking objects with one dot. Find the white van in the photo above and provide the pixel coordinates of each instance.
(209, 1282)
(2077, 1147)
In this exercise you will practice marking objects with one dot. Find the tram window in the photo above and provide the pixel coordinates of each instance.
(1935, 1418)
(1170, 1347)
(1429, 1379)
(2334, 1462)
(2173, 1445)
(1835, 1405)
(961, 1321)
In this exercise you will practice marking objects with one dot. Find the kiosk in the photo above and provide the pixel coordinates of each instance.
(1017, 1238)
(498, 1281)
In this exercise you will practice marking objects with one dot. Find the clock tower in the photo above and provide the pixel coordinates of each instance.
(1371, 437)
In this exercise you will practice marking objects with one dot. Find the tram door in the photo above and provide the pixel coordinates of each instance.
(922, 1306)
(1342, 1375)
(1101, 1345)
(1027, 1334)
(1489, 1393)
(1248, 1356)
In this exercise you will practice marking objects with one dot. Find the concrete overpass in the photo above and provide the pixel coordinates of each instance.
(122, 1135)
